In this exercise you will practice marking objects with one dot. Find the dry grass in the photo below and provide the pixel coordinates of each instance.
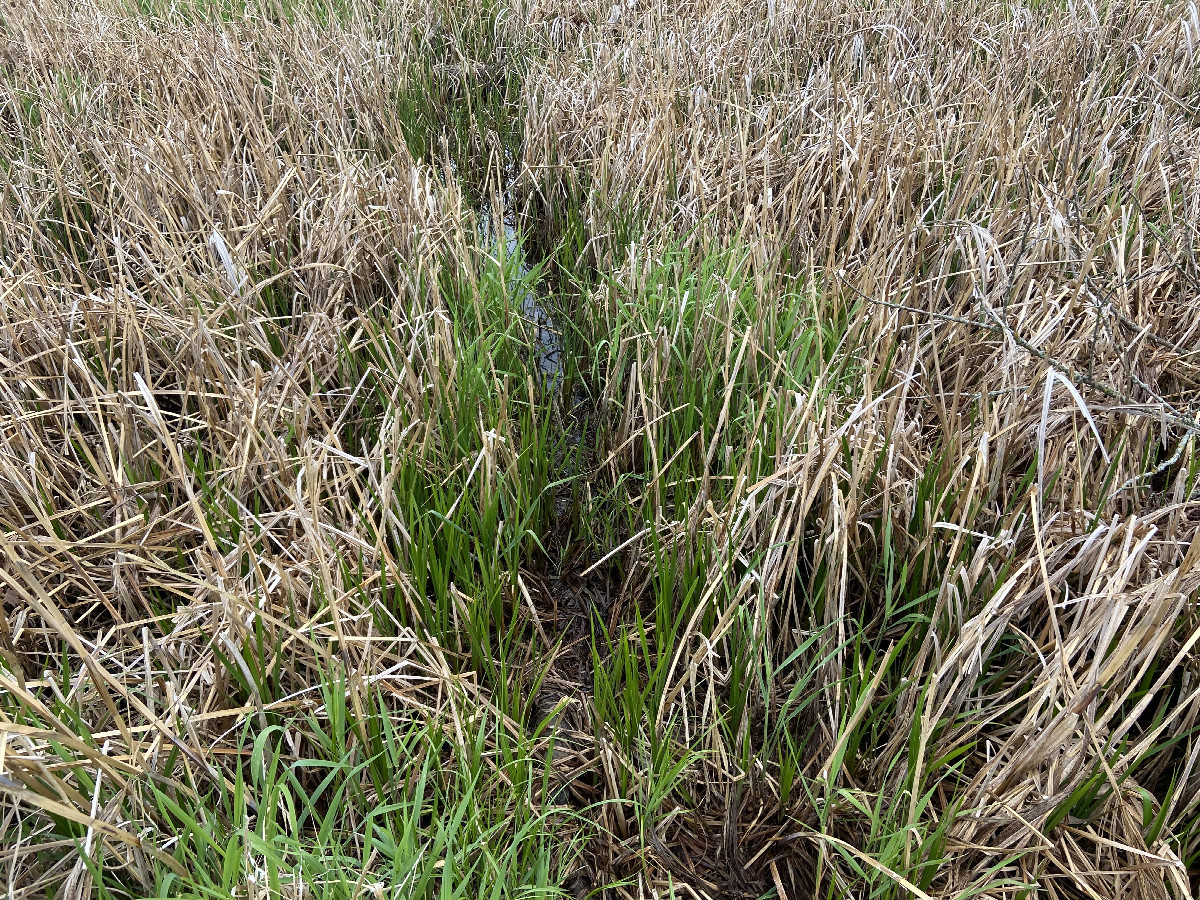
(1004, 202)
(854, 552)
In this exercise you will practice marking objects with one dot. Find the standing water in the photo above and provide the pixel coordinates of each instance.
(548, 347)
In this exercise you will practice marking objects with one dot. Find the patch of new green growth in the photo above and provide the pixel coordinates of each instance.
(374, 801)
(459, 98)
(477, 478)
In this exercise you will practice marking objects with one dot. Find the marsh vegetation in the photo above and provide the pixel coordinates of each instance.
(662, 448)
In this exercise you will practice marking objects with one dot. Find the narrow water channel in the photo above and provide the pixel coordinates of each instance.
(548, 343)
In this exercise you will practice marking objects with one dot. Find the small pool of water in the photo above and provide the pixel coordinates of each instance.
(548, 347)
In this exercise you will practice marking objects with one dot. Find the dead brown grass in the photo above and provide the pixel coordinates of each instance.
(1007, 201)
(197, 216)
(208, 225)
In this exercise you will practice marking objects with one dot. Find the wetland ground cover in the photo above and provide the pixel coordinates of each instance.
(651, 448)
